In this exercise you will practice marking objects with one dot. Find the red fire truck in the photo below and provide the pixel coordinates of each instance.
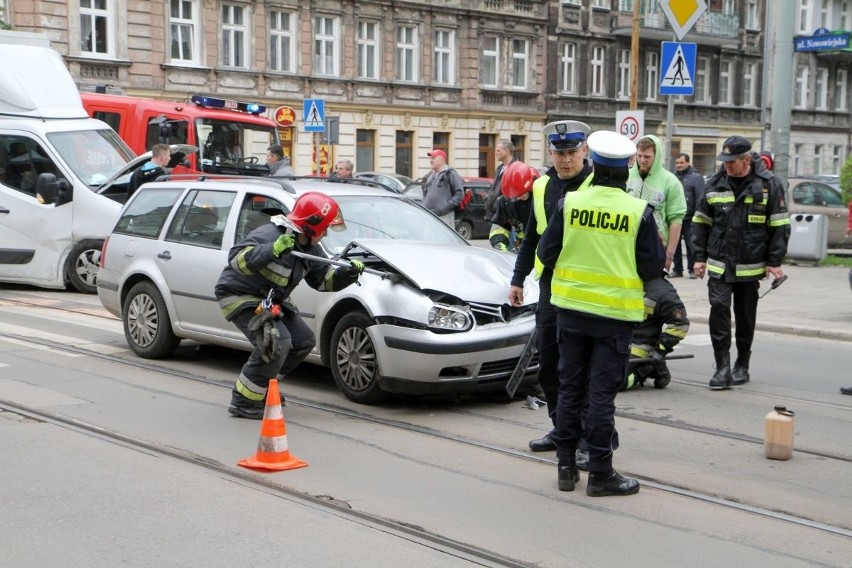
(231, 136)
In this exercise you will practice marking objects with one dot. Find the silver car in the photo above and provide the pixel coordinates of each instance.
(443, 325)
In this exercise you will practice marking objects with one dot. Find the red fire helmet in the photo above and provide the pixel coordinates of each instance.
(314, 212)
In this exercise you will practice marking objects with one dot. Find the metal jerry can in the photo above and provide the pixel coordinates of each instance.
(778, 436)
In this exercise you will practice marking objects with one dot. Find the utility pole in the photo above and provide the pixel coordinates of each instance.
(782, 75)
(764, 92)
(634, 58)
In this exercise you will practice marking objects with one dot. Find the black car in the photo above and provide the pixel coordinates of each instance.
(470, 220)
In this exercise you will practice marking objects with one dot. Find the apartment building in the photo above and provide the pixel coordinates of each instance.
(404, 76)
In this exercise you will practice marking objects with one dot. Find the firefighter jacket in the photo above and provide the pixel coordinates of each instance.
(253, 270)
(511, 215)
(741, 226)
(603, 249)
(547, 191)
(665, 323)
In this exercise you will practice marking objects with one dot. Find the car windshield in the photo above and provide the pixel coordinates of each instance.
(94, 155)
(232, 141)
(389, 217)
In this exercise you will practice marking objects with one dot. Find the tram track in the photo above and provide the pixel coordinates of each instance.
(423, 430)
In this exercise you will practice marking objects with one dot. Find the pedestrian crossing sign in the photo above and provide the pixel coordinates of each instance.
(314, 115)
(678, 69)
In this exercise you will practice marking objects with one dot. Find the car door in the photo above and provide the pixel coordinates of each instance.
(836, 212)
(192, 255)
(33, 235)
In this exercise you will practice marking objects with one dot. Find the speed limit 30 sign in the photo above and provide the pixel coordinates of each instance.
(631, 123)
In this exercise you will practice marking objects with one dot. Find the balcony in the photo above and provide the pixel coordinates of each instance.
(712, 28)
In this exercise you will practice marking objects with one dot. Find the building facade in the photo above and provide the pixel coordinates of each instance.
(404, 76)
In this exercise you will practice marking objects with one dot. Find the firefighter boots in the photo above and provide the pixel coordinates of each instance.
(740, 374)
(242, 407)
(611, 483)
(722, 378)
(569, 475)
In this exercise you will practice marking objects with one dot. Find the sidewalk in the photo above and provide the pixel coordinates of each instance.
(814, 301)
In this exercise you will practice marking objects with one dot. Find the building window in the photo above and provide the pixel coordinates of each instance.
(183, 23)
(840, 86)
(845, 15)
(752, 16)
(520, 62)
(837, 160)
(365, 150)
(652, 75)
(96, 27)
(597, 87)
(368, 50)
(600, 4)
(403, 152)
(725, 82)
(701, 91)
(568, 68)
(406, 53)
(623, 74)
(487, 145)
(822, 88)
(818, 159)
(825, 14)
(444, 64)
(234, 33)
(519, 142)
(282, 52)
(797, 160)
(490, 61)
(804, 17)
(750, 78)
(800, 95)
(625, 5)
(441, 141)
(325, 46)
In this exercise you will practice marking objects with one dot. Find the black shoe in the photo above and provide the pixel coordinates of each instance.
(543, 445)
(676, 275)
(568, 478)
(740, 375)
(581, 457)
(613, 483)
(241, 407)
(845, 390)
(722, 378)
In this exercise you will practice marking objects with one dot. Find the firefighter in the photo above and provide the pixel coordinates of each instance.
(665, 325)
(601, 245)
(513, 207)
(254, 288)
(567, 148)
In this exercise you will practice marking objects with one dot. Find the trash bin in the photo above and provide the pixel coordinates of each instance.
(808, 236)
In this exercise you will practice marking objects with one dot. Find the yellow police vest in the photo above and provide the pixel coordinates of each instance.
(539, 187)
(596, 270)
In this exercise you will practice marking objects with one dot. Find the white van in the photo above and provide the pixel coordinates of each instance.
(53, 160)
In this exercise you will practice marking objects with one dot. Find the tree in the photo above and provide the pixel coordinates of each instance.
(846, 180)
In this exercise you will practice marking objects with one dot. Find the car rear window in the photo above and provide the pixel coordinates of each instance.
(147, 213)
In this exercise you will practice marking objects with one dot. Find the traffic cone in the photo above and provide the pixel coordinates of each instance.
(272, 451)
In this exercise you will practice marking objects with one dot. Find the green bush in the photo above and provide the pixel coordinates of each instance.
(846, 180)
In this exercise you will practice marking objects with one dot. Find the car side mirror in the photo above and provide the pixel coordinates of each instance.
(53, 191)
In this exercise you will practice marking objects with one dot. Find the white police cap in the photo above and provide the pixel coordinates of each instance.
(566, 134)
(611, 148)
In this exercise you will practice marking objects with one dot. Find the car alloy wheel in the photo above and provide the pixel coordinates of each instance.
(81, 269)
(147, 326)
(354, 363)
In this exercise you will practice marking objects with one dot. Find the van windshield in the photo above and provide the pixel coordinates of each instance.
(93, 155)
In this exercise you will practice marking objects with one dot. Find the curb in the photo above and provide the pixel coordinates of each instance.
(789, 329)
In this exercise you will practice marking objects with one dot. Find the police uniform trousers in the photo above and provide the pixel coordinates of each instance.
(593, 357)
(296, 340)
(745, 298)
(548, 348)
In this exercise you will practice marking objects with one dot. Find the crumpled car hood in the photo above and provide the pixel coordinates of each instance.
(468, 272)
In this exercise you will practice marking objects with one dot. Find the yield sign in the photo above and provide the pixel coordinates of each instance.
(682, 14)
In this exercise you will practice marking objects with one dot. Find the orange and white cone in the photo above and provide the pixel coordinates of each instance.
(273, 453)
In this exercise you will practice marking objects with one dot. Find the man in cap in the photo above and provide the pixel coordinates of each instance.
(567, 148)
(740, 232)
(443, 188)
(651, 181)
(602, 245)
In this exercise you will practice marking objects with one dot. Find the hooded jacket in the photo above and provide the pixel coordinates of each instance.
(693, 189)
(661, 189)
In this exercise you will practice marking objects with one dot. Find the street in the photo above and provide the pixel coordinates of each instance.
(149, 449)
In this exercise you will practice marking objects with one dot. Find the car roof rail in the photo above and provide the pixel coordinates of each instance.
(350, 181)
(276, 182)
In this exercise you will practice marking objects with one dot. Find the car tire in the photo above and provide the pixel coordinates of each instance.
(465, 229)
(147, 326)
(353, 358)
(82, 265)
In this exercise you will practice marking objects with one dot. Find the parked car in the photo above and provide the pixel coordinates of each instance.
(812, 195)
(446, 327)
(396, 182)
(470, 221)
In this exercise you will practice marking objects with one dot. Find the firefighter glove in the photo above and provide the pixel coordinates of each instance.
(502, 247)
(347, 275)
(283, 245)
(267, 340)
(357, 265)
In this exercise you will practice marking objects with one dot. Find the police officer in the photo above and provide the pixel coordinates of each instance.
(513, 206)
(601, 244)
(567, 148)
(740, 233)
(665, 325)
(254, 287)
